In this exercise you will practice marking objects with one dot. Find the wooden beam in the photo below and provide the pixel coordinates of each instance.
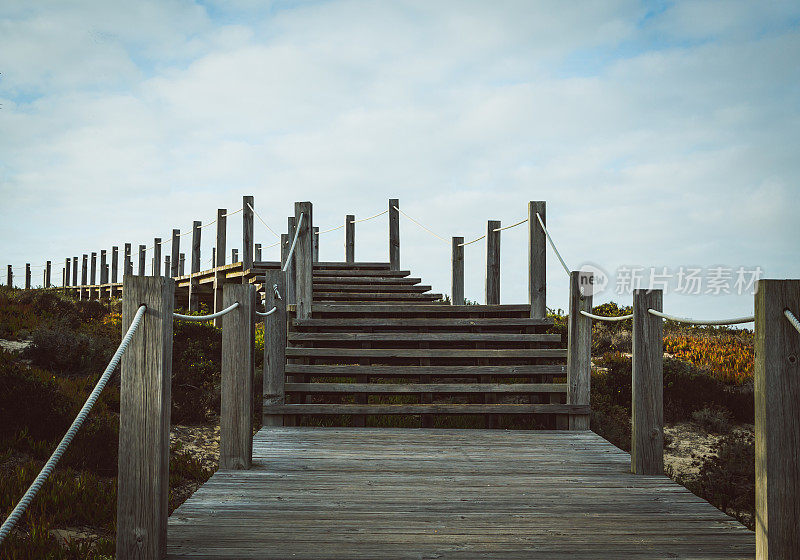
(492, 263)
(647, 394)
(236, 407)
(175, 258)
(537, 261)
(286, 241)
(274, 344)
(85, 270)
(182, 265)
(579, 347)
(247, 232)
(457, 275)
(349, 238)
(66, 274)
(777, 394)
(394, 234)
(167, 267)
(143, 475)
(304, 260)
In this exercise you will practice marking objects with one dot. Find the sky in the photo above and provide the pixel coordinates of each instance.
(663, 136)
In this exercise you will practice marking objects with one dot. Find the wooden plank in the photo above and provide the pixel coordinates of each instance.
(492, 262)
(274, 344)
(236, 405)
(436, 371)
(382, 388)
(579, 345)
(777, 394)
(294, 352)
(363, 273)
(457, 274)
(143, 477)
(349, 239)
(372, 281)
(518, 310)
(304, 259)
(447, 322)
(647, 415)
(537, 259)
(370, 288)
(377, 296)
(422, 336)
(436, 408)
(248, 202)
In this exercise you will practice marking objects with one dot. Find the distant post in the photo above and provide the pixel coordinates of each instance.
(157, 256)
(457, 276)
(28, 275)
(128, 263)
(777, 394)
(274, 345)
(142, 259)
(247, 232)
(236, 408)
(47, 271)
(182, 266)
(144, 420)
(315, 236)
(234, 255)
(394, 234)
(114, 264)
(303, 259)
(167, 267)
(350, 238)
(257, 256)
(537, 262)
(84, 274)
(492, 263)
(579, 347)
(222, 230)
(647, 438)
(74, 271)
(175, 258)
(194, 299)
(66, 274)
(10, 275)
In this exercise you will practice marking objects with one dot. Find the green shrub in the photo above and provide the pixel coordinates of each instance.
(62, 350)
(714, 419)
(196, 353)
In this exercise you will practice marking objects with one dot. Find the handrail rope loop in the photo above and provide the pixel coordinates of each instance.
(268, 313)
(420, 225)
(48, 468)
(519, 223)
(734, 321)
(206, 317)
(792, 319)
(277, 293)
(232, 213)
(278, 235)
(607, 318)
(473, 241)
(370, 218)
(552, 244)
(294, 242)
(328, 230)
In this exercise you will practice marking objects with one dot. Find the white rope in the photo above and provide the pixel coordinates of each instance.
(420, 225)
(370, 218)
(211, 223)
(206, 317)
(271, 246)
(278, 235)
(734, 321)
(232, 213)
(553, 245)
(603, 318)
(268, 313)
(519, 223)
(294, 242)
(473, 241)
(329, 230)
(23, 504)
(792, 319)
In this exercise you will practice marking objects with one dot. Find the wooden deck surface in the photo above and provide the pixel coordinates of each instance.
(354, 493)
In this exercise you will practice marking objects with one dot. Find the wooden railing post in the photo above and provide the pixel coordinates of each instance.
(537, 261)
(257, 256)
(234, 255)
(579, 347)
(156, 257)
(176, 253)
(286, 242)
(167, 266)
(315, 236)
(84, 276)
(66, 274)
(142, 259)
(304, 259)
(222, 230)
(10, 275)
(236, 408)
(64, 270)
(127, 267)
(182, 265)
(93, 269)
(194, 298)
(74, 271)
(647, 392)
(457, 280)
(777, 430)
(28, 275)
(247, 232)
(349, 239)
(492, 263)
(144, 420)
(394, 234)
(114, 264)
(47, 271)
(103, 264)
(274, 345)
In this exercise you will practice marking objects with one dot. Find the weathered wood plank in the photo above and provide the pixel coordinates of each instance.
(433, 408)
(274, 343)
(379, 388)
(294, 352)
(422, 337)
(537, 260)
(248, 202)
(436, 371)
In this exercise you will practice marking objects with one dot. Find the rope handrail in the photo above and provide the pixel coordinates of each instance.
(607, 318)
(329, 230)
(734, 321)
(257, 215)
(552, 244)
(519, 223)
(792, 319)
(473, 241)
(420, 225)
(273, 245)
(206, 317)
(294, 242)
(30, 494)
(370, 218)
(232, 213)
(211, 223)
(268, 313)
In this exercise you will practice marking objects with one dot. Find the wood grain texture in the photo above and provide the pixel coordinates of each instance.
(492, 263)
(291, 271)
(304, 260)
(274, 344)
(349, 239)
(143, 476)
(394, 234)
(777, 394)
(457, 274)
(236, 407)
(537, 260)
(247, 231)
(579, 348)
(647, 391)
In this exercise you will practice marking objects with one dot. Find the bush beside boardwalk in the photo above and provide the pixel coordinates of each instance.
(707, 376)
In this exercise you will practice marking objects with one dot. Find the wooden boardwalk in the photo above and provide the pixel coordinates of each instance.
(425, 493)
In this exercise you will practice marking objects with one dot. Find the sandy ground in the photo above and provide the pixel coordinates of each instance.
(14, 345)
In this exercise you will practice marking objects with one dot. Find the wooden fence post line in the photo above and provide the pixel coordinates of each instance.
(144, 420)
(63, 278)
(236, 408)
(128, 263)
(579, 346)
(247, 232)
(647, 394)
(457, 279)
(394, 234)
(315, 236)
(142, 259)
(350, 238)
(194, 298)
(156, 257)
(257, 256)
(777, 392)
(114, 264)
(304, 259)
(175, 258)
(222, 229)
(74, 271)
(537, 261)
(28, 275)
(492, 263)
(274, 345)
(47, 271)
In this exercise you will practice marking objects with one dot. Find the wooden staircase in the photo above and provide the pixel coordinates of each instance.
(379, 345)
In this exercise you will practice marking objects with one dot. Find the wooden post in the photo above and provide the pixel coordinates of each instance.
(579, 349)
(234, 255)
(222, 230)
(537, 262)
(114, 264)
(74, 271)
(93, 269)
(63, 278)
(175, 258)
(213, 256)
(66, 274)
(492, 263)
(182, 265)
(144, 420)
(394, 234)
(457, 278)
(777, 394)
(167, 267)
(156, 257)
(142, 259)
(647, 394)
(236, 408)
(128, 263)
(85, 270)
(247, 233)
(10, 275)
(291, 271)
(315, 236)
(274, 345)
(257, 256)
(194, 298)
(28, 275)
(350, 238)
(103, 263)
(47, 271)
(304, 259)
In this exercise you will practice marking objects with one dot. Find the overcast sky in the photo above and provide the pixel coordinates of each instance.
(660, 134)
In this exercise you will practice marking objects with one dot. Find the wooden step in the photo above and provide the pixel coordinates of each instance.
(420, 322)
(338, 272)
(376, 296)
(369, 288)
(379, 409)
(420, 337)
(338, 265)
(507, 371)
(369, 280)
(431, 309)
(406, 388)
(488, 353)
